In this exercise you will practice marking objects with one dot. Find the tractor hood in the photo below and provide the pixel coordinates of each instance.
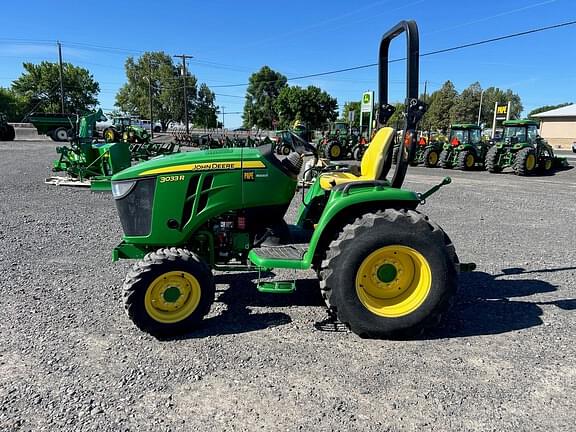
(204, 160)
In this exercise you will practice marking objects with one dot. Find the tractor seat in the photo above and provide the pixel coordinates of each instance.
(371, 165)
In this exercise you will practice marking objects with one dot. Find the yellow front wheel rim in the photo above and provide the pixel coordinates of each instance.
(548, 164)
(433, 158)
(335, 151)
(530, 162)
(469, 161)
(393, 281)
(172, 297)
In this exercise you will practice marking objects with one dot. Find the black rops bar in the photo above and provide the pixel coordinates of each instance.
(414, 108)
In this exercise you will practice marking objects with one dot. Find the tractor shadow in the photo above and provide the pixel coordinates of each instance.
(485, 304)
(233, 305)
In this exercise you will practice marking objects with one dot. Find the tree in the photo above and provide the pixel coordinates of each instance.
(349, 107)
(311, 105)
(260, 105)
(540, 109)
(12, 105)
(39, 86)
(438, 116)
(493, 95)
(167, 89)
(467, 105)
(205, 113)
(396, 120)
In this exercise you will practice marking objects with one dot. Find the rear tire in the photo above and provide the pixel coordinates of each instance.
(413, 256)
(466, 160)
(431, 158)
(9, 133)
(358, 152)
(445, 159)
(168, 292)
(60, 134)
(525, 162)
(492, 160)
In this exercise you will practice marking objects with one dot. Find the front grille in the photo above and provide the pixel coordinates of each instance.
(135, 209)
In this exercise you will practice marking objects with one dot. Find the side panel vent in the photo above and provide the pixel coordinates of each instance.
(190, 195)
(204, 192)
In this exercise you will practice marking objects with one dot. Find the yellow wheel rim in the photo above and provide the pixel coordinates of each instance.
(548, 164)
(335, 151)
(433, 158)
(469, 161)
(530, 162)
(172, 297)
(393, 281)
(109, 136)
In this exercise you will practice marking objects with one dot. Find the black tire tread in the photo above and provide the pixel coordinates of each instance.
(444, 160)
(140, 268)
(419, 221)
(520, 162)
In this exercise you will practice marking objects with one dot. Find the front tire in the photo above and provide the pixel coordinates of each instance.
(168, 292)
(333, 151)
(60, 134)
(466, 160)
(445, 159)
(525, 163)
(390, 274)
(492, 160)
(10, 133)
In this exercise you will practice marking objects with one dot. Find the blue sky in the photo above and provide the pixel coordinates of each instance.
(229, 40)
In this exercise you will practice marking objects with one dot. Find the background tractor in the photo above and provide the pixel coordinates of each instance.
(340, 141)
(385, 269)
(522, 149)
(428, 152)
(465, 148)
(7, 132)
(122, 129)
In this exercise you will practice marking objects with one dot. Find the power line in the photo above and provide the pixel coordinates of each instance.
(440, 51)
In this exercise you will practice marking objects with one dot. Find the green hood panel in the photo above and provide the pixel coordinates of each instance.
(204, 160)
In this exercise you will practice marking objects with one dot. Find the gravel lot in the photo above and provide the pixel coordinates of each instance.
(71, 360)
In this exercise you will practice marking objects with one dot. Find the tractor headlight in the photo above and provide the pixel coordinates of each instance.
(122, 188)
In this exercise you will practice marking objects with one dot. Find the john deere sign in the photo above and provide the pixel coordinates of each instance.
(367, 104)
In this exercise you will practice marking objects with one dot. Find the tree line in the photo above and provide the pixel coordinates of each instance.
(270, 103)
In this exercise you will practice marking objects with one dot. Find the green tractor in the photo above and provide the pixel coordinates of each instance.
(522, 149)
(465, 149)
(385, 269)
(428, 152)
(7, 132)
(340, 141)
(122, 129)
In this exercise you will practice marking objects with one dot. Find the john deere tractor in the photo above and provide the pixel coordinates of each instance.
(7, 132)
(428, 152)
(340, 141)
(465, 149)
(122, 129)
(385, 269)
(522, 149)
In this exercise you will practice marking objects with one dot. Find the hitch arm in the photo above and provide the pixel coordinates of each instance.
(422, 196)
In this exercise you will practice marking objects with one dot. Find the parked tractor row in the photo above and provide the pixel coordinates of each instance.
(521, 148)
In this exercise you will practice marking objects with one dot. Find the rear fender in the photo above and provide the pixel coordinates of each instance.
(346, 204)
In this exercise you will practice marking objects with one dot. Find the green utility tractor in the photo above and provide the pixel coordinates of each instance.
(87, 163)
(340, 141)
(122, 129)
(465, 149)
(7, 132)
(428, 152)
(385, 269)
(523, 149)
(286, 141)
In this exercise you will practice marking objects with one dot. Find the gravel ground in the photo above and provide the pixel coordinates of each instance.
(71, 360)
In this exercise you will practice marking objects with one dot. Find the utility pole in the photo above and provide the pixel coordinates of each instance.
(223, 117)
(61, 76)
(150, 97)
(184, 57)
(480, 108)
(425, 87)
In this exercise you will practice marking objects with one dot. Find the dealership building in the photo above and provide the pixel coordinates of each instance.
(558, 126)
